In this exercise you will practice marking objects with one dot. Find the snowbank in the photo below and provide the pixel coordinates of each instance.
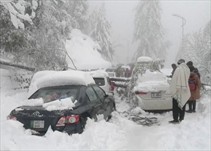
(98, 73)
(119, 134)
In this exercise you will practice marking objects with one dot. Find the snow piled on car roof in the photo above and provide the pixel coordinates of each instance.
(98, 73)
(47, 78)
(144, 59)
(152, 81)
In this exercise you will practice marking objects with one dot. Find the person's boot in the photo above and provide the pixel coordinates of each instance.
(190, 104)
(194, 106)
(174, 121)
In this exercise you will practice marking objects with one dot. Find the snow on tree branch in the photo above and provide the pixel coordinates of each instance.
(17, 10)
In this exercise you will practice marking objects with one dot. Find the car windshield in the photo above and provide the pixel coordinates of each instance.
(99, 81)
(50, 94)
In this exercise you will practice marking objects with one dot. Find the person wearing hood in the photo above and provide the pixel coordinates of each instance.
(192, 68)
(180, 91)
(194, 85)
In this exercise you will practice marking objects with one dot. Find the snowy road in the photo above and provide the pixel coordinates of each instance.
(118, 134)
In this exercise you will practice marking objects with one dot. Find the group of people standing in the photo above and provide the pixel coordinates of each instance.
(184, 88)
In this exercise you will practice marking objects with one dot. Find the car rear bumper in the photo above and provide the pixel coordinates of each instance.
(155, 104)
(70, 129)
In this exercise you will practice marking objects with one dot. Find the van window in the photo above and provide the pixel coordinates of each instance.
(99, 81)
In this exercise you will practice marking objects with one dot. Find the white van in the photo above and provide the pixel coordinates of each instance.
(101, 78)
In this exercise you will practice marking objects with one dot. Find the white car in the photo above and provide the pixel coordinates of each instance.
(101, 78)
(149, 86)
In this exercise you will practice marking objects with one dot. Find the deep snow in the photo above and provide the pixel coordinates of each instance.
(118, 134)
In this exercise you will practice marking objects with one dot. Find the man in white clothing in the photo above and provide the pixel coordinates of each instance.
(180, 91)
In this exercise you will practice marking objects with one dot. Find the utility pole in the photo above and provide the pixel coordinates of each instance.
(183, 24)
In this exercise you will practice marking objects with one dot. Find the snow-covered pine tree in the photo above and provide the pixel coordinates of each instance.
(191, 44)
(15, 16)
(207, 45)
(21, 12)
(100, 31)
(198, 44)
(206, 53)
(149, 34)
(48, 35)
(78, 10)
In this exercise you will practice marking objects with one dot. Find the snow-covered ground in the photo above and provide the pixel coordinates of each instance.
(118, 134)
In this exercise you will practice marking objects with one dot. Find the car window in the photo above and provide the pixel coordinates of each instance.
(99, 81)
(56, 93)
(91, 95)
(100, 92)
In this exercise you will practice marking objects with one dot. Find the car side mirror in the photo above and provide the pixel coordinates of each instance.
(107, 100)
(106, 95)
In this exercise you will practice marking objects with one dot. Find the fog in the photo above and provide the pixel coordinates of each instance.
(121, 16)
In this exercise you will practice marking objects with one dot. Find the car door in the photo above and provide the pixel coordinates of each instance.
(95, 102)
(107, 103)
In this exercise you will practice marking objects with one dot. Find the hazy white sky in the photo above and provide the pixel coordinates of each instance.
(121, 15)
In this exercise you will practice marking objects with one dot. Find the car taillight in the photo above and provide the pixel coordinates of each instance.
(72, 119)
(140, 93)
(61, 121)
(10, 117)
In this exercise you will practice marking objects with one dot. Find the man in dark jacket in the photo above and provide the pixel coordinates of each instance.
(192, 68)
(174, 66)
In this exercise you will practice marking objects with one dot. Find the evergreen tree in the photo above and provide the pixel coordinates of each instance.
(206, 62)
(100, 31)
(77, 9)
(41, 42)
(198, 44)
(21, 12)
(39, 45)
(148, 30)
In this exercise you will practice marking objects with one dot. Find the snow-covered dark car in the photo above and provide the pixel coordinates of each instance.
(62, 101)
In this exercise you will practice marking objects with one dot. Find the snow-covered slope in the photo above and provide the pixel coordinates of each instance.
(84, 52)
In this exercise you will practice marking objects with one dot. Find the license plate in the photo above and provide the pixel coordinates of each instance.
(37, 124)
(156, 94)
